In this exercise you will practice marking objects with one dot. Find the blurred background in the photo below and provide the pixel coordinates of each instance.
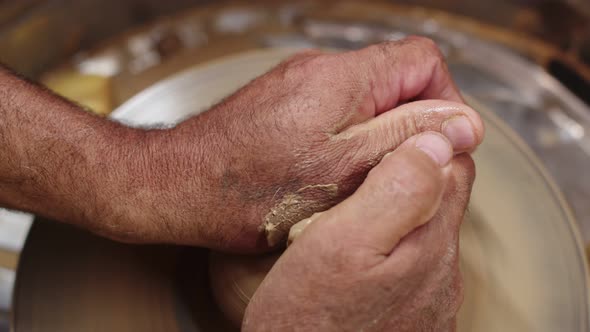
(528, 60)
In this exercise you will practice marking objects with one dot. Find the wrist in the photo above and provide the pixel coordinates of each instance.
(121, 181)
(94, 184)
(156, 193)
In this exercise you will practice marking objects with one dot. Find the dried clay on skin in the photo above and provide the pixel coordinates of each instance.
(295, 207)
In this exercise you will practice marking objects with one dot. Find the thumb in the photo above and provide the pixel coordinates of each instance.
(400, 194)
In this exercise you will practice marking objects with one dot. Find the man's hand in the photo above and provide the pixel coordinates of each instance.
(385, 259)
(293, 142)
(299, 140)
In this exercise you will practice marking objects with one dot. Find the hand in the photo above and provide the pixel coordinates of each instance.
(385, 259)
(293, 142)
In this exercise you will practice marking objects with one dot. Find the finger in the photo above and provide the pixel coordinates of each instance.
(438, 240)
(399, 71)
(458, 122)
(439, 243)
(401, 193)
(457, 194)
(431, 252)
(363, 145)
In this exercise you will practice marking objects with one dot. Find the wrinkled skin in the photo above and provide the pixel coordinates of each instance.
(385, 259)
(295, 141)
(298, 140)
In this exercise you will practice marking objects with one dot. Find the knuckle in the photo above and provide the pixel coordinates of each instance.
(411, 125)
(384, 52)
(426, 44)
(377, 54)
(430, 49)
(423, 45)
(382, 49)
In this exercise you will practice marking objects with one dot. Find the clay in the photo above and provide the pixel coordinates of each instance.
(295, 207)
(297, 229)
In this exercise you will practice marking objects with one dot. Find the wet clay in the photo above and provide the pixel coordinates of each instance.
(297, 229)
(295, 207)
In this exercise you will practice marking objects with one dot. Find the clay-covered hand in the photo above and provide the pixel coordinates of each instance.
(295, 141)
(385, 259)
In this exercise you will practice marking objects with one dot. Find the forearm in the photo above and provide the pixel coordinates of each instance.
(61, 162)
(52, 153)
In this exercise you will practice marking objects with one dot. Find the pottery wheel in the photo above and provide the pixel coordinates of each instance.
(521, 256)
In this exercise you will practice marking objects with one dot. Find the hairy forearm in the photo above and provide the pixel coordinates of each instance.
(135, 185)
(53, 154)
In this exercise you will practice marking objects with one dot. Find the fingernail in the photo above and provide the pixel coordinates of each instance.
(436, 147)
(460, 132)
